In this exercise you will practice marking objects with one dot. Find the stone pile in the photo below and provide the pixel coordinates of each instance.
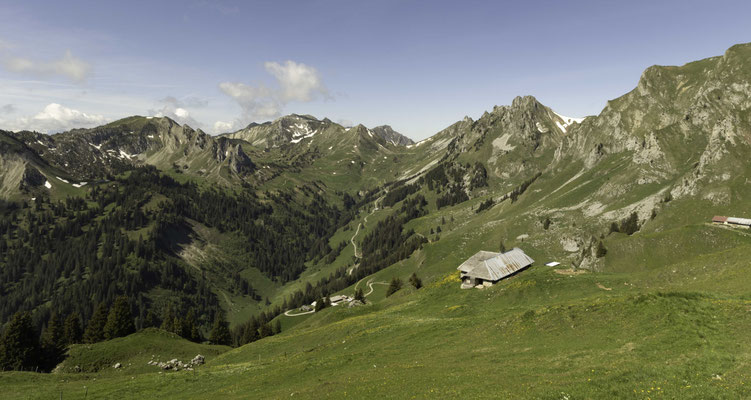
(177, 365)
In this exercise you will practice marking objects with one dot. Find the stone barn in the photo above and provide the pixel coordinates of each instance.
(486, 267)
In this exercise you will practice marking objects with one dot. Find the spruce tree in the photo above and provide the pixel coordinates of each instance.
(220, 331)
(119, 320)
(72, 329)
(359, 295)
(168, 319)
(415, 281)
(189, 328)
(394, 286)
(53, 343)
(19, 346)
(95, 329)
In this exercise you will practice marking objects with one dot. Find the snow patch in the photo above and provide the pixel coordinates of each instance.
(47, 184)
(126, 155)
(78, 185)
(61, 179)
(331, 147)
(98, 147)
(301, 132)
(567, 121)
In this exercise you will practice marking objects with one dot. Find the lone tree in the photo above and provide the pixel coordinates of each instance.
(220, 331)
(415, 281)
(120, 320)
(394, 286)
(95, 329)
(359, 296)
(72, 329)
(19, 346)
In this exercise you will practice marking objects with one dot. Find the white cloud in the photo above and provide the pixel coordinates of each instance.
(176, 109)
(222, 126)
(68, 66)
(298, 81)
(295, 81)
(57, 118)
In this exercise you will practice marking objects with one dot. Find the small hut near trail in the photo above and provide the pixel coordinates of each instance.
(486, 267)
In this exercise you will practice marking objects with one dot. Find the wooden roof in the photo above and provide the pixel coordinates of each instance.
(494, 266)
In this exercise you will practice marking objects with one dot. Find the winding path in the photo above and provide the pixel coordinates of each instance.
(287, 313)
(360, 225)
(370, 285)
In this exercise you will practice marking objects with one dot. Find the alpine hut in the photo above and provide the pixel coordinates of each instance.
(486, 267)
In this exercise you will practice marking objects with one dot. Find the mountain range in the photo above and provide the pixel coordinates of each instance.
(271, 217)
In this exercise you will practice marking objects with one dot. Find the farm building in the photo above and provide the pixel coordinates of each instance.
(486, 267)
(732, 221)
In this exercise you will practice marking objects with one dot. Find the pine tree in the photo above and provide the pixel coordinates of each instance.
(189, 328)
(320, 304)
(359, 295)
(502, 247)
(394, 286)
(150, 320)
(72, 329)
(52, 346)
(220, 332)
(95, 329)
(120, 320)
(277, 329)
(415, 281)
(168, 319)
(19, 346)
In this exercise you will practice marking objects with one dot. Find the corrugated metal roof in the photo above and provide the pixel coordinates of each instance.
(497, 266)
(739, 221)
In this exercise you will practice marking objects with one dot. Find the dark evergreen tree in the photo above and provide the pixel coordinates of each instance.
(72, 329)
(359, 295)
(19, 346)
(189, 327)
(168, 319)
(120, 320)
(52, 343)
(394, 286)
(415, 281)
(220, 332)
(320, 304)
(277, 328)
(95, 329)
(150, 320)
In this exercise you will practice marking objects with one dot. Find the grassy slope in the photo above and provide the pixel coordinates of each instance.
(538, 335)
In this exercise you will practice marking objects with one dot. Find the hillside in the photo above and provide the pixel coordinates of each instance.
(649, 299)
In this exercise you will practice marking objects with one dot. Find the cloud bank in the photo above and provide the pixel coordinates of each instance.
(294, 82)
(55, 118)
(176, 109)
(67, 66)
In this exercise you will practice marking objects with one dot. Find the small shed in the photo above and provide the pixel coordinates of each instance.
(486, 267)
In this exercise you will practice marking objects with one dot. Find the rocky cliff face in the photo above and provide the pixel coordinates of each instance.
(391, 136)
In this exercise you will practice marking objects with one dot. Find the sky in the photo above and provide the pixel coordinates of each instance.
(418, 66)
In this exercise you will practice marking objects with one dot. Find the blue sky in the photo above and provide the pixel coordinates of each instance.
(416, 65)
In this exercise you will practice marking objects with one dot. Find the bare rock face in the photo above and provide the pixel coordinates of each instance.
(390, 135)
